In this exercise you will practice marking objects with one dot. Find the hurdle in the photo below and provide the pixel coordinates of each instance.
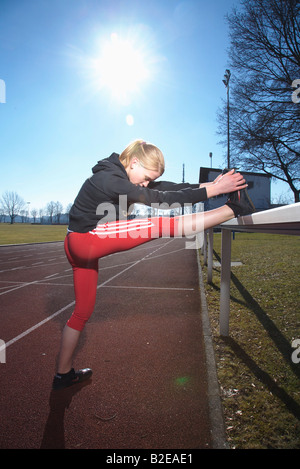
(280, 220)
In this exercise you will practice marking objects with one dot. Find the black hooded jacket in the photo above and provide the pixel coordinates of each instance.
(108, 193)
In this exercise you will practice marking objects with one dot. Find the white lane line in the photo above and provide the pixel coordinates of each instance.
(9, 281)
(113, 266)
(149, 288)
(26, 284)
(33, 328)
(24, 267)
(125, 287)
(57, 284)
(168, 253)
(15, 282)
(20, 286)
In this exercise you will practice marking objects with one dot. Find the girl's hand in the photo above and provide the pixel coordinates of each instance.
(206, 184)
(225, 183)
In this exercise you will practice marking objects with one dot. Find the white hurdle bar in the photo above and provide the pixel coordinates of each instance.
(281, 220)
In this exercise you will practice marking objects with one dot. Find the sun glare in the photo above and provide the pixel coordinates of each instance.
(121, 67)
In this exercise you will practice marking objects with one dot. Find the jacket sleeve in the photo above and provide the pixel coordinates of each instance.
(171, 186)
(117, 185)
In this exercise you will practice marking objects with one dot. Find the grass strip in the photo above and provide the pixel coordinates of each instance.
(19, 233)
(258, 379)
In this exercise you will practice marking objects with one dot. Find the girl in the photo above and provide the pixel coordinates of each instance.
(99, 225)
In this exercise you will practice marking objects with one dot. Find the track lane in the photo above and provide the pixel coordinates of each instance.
(143, 342)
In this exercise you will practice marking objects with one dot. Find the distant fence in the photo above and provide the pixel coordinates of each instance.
(281, 220)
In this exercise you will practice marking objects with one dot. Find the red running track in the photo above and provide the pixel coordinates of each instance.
(144, 343)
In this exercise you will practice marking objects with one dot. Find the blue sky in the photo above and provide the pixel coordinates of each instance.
(60, 117)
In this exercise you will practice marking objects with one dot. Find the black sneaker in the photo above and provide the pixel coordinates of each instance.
(62, 381)
(240, 203)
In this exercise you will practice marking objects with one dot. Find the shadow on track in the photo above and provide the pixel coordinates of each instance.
(59, 401)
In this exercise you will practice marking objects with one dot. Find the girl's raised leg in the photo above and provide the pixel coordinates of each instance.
(195, 223)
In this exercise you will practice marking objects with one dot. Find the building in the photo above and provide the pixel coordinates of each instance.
(259, 188)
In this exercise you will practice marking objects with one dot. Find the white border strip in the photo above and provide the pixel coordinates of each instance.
(215, 405)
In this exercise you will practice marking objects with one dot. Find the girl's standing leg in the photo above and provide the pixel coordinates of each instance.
(85, 286)
(69, 341)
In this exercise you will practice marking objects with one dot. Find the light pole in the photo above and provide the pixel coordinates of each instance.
(226, 83)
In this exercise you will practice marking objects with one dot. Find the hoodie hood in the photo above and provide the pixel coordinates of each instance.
(107, 162)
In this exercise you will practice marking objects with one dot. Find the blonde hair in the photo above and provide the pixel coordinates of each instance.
(149, 155)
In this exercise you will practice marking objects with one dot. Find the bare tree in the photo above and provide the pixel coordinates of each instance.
(68, 208)
(50, 210)
(41, 213)
(34, 213)
(58, 211)
(23, 215)
(264, 113)
(12, 204)
(2, 214)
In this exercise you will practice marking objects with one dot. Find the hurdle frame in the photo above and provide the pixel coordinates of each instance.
(280, 220)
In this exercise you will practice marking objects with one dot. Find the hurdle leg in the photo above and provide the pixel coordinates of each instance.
(225, 282)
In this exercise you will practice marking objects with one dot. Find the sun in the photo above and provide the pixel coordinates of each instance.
(121, 67)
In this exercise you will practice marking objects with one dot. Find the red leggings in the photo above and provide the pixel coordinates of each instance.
(84, 249)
